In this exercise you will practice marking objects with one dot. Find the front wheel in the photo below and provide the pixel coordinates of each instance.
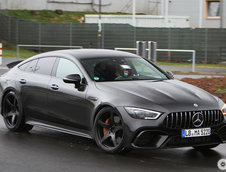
(12, 113)
(206, 147)
(108, 131)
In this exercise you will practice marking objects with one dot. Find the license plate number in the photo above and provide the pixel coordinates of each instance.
(199, 132)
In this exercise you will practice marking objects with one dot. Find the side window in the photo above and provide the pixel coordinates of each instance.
(24, 66)
(45, 65)
(66, 67)
(29, 66)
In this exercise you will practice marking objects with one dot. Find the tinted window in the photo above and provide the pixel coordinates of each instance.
(29, 66)
(24, 66)
(121, 68)
(66, 67)
(45, 65)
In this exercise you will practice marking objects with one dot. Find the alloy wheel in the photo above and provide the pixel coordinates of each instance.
(109, 130)
(10, 110)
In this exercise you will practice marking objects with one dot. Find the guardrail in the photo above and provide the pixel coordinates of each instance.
(167, 50)
(43, 46)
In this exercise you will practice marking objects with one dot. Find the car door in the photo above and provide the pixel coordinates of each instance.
(67, 105)
(34, 85)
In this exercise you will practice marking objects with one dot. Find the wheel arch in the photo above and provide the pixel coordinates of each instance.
(101, 106)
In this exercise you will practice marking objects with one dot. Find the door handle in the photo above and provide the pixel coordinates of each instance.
(54, 87)
(23, 81)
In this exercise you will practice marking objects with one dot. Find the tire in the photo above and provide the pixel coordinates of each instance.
(206, 147)
(12, 113)
(108, 131)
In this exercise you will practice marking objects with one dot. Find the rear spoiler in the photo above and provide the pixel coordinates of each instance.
(11, 65)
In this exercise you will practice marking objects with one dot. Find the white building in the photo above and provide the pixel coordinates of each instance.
(197, 13)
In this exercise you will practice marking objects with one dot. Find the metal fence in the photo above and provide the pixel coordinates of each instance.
(209, 43)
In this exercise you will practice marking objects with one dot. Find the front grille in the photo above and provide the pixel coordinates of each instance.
(179, 120)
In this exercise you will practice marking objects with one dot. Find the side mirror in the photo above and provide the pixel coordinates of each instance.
(73, 79)
(170, 74)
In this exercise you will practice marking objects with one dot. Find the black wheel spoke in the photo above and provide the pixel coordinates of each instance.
(111, 118)
(104, 125)
(14, 102)
(9, 114)
(9, 103)
(106, 136)
(13, 119)
(113, 139)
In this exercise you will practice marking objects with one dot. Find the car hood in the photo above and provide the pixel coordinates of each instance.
(165, 95)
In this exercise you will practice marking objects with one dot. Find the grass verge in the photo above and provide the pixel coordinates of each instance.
(48, 16)
(190, 65)
(9, 50)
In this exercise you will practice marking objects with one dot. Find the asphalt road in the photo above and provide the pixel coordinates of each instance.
(44, 150)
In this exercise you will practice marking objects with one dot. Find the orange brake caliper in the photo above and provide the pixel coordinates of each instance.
(104, 129)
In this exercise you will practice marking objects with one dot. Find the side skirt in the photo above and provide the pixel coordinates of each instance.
(63, 130)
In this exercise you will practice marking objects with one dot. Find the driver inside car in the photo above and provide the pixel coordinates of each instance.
(122, 71)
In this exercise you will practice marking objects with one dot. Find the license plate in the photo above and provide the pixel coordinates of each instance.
(199, 132)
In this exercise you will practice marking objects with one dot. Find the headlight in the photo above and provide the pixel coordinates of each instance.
(224, 109)
(142, 113)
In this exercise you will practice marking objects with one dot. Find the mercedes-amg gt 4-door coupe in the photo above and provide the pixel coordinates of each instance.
(119, 99)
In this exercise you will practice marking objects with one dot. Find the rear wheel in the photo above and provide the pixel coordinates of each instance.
(12, 113)
(206, 147)
(108, 129)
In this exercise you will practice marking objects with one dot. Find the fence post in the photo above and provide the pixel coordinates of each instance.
(0, 53)
(102, 40)
(9, 28)
(141, 48)
(134, 36)
(206, 45)
(169, 44)
(17, 32)
(17, 51)
(193, 61)
(40, 36)
(70, 39)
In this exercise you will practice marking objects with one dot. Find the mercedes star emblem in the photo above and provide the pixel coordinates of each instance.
(198, 119)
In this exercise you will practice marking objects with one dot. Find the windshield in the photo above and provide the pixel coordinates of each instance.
(121, 69)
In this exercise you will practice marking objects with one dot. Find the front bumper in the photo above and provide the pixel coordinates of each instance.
(153, 134)
(152, 139)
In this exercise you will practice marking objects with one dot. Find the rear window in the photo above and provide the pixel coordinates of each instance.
(29, 66)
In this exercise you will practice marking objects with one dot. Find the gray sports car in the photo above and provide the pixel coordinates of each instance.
(119, 99)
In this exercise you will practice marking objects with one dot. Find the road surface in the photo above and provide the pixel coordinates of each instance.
(43, 150)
